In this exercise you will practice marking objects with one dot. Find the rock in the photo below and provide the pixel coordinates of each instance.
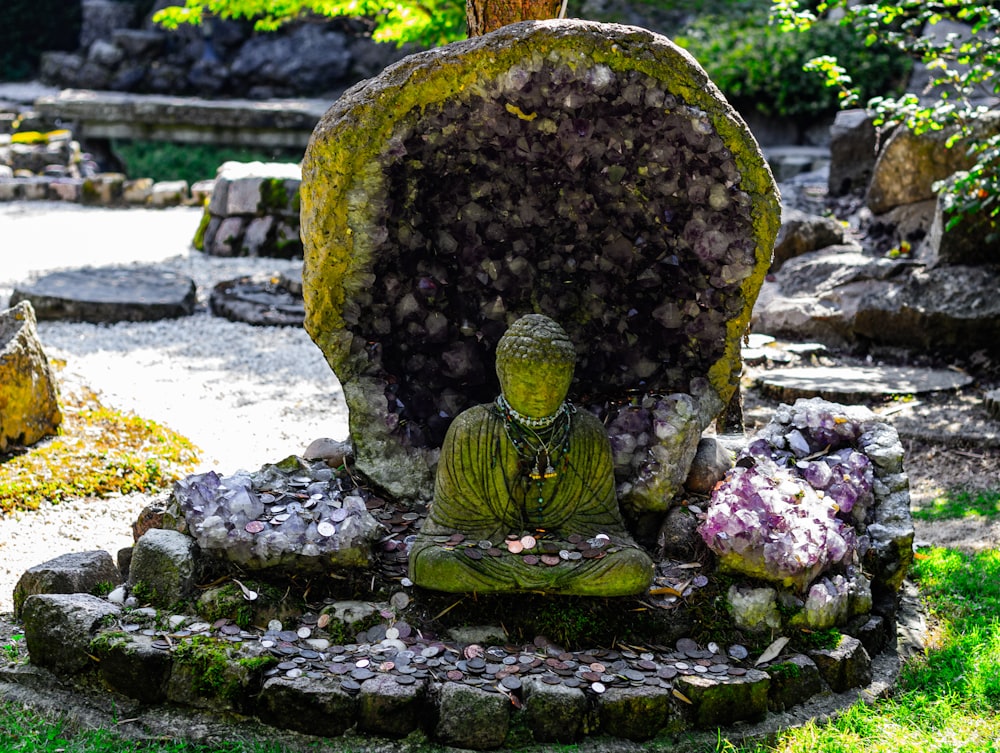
(678, 538)
(909, 165)
(79, 572)
(105, 53)
(723, 701)
(260, 300)
(636, 713)
(139, 44)
(169, 193)
(210, 674)
(101, 18)
(844, 667)
(29, 400)
(792, 679)
(871, 630)
(709, 466)
(389, 709)
(471, 718)
(333, 451)
(131, 666)
(313, 706)
(991, 401)
(58, 629)
(485, 635)
(415, 358)
(164, 567)
(553, 713)
(227, 238)
(801, 233)
(754, 609)
(109, 294)
(849, 384)
(853, 144)
(974, 240)
(137, 191)
(104, 189)
(312, 57)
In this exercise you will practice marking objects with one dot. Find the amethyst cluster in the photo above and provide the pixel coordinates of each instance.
(591, 195)
(302, 517)
(797, 502)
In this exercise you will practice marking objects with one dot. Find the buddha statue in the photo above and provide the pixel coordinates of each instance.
(524, 497)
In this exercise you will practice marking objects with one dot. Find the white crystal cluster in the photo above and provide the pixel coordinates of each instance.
(273, 517)
(797, 503)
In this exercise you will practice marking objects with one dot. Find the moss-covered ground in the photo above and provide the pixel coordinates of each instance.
(98, 452)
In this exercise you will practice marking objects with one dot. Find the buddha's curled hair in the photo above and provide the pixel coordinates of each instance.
(537, 339)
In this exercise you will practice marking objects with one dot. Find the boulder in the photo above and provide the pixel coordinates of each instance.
(974, 240)
(636, 713)
(720, 701)
(29, 399)
(58, 629)
(309, 59)
(801, 233)
(79, 572)
(909, 164)
(389, 708)
(553, 713)
(845, 666)
(469, 717)
(556, 205)
(164, 567)
(853, 150)
(313, 706)
(793, 678)
(132, 667)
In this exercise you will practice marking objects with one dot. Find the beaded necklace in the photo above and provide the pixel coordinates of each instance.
(542, 444)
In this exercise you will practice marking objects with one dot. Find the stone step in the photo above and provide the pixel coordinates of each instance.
(851, 384)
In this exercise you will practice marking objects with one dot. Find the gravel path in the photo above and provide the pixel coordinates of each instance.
(244, 395)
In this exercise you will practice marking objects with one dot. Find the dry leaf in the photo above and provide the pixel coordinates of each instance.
(772, 651)
(678, 694)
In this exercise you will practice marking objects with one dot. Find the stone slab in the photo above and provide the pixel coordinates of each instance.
(109, 294)
(261, 300)
(77, 572)
(851, 384)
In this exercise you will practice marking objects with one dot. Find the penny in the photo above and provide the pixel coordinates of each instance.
(529, 559)
(456, 538)
(574, 538)
(326, 528)
(591, 676)
(474, 554)
(494, 552)
(511, 682)
(473, 651)
(550, 559)
(254, 526)
(528, 542)
(454, 675)
(592, 554)
(515, 546)
(597, 667)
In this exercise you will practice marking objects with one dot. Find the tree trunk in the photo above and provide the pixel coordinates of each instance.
(488, 15)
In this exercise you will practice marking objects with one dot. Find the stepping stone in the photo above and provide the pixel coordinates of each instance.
(266, 301)
(109, 294)
(847, 384)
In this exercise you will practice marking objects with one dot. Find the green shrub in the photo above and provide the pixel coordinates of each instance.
(758, 66)
(30, 27)
(161, 160)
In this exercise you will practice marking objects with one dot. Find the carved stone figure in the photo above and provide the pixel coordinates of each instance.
(524, 498)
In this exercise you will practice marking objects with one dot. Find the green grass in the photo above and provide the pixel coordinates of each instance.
(961, 505)
(162, 160)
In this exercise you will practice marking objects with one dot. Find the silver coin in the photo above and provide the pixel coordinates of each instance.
(326, 528)
(405, 679)
(338, 515)
(598, 687)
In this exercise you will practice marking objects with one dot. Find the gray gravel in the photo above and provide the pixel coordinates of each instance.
(244, 395)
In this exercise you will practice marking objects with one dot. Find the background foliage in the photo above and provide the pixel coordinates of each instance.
(163, 160)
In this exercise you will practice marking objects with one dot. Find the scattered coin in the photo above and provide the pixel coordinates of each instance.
(550, 559)
(598, 687)
(528, 542)
(474, 554)
(326, 528)
(529, 559)
(303, 632)
(254, 526)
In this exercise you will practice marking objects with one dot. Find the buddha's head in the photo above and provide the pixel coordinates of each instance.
(535, 361)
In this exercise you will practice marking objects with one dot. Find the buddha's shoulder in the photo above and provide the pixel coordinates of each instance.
(584, 420)
(472, 419)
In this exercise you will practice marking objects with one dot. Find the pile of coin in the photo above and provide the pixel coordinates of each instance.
(397, 650)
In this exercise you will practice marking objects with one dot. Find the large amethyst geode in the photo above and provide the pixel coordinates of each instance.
(802, 498)
(588, 172)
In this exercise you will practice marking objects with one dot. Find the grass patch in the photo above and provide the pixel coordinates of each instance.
(163, 160)
(947, 701)
(98, 452)
(961, 505)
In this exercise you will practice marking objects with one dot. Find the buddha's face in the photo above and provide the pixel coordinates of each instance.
(534, 389)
